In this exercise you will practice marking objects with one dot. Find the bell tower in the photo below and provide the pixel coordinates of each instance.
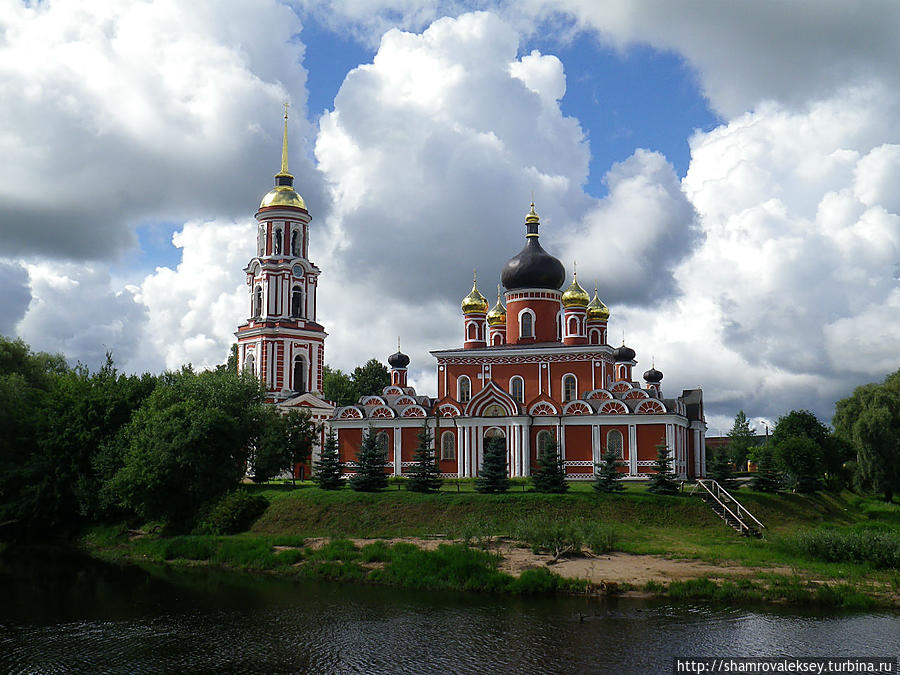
(281, 342)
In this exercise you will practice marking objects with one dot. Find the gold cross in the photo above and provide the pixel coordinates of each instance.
(286, 106)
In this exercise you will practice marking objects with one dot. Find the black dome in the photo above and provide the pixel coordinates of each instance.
(533, 268)
(623, 353)
(653, 375)
(398, 360)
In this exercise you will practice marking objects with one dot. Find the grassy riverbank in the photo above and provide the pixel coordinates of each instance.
(837, 550)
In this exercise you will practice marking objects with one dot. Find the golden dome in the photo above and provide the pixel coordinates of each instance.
(474, 302)
(597, 311)
(282, 195)
(575, 295)
(497, 315)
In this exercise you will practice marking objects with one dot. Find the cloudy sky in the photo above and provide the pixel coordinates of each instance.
(728, 173)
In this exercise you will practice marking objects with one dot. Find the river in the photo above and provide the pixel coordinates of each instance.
(63, 613)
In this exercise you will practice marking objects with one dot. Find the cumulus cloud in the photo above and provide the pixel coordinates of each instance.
(76, 311)
(631, 241)
(744, 53)
(195, 308)
(116, 113)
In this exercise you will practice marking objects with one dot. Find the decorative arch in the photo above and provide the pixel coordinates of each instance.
(350, 413)
(572, 326)
(405, 400)
(472, 331)
(494, 432)
(594, 336)
(392, 391)
(650, 407)
(496, 340)
(577, 408)
(372, 400)
(613, 408)
(543, 408)
(635, 394)
(526, 323)
(413, 411)
(491, 395)
(382, 412)
(448, 410)
(599, 395)
(619, 387)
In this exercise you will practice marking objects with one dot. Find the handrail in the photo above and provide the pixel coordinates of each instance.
(740, 508)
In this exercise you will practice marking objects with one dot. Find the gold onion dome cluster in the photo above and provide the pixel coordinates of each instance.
(596, 310)
(575, 295)
(474, 302)
(497, 315)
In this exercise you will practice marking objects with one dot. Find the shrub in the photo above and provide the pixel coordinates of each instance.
(601, 538)
(187, 548)
(554, 536)
(377, 551)
(233, 513)
(881, 549)
(537, 580)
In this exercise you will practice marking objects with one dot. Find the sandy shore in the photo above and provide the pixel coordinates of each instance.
(617, 568)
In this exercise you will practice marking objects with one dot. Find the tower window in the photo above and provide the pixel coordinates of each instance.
(614, 442)
(296, 302)
(464, 387)
(573, 326)
(294, 248)
(250, 365)
(527, 325)
(595, 336)
(473, 331)
(517, 389)
(257, 302)
(299, 374)
(448, 445)
(277, 242)
(570, 388)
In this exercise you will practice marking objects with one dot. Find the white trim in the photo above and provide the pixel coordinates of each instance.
(511, 395)
(529, 311)
(562, 388)
(459, 380)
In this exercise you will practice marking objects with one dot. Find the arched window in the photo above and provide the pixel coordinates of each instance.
(544, 439)
(517, 389)
(526, 328)
(494, 410)
(250, 364)
(496, 340)
(473, 332)
(296, 301)
(569, 388)
(276, 243)
(595, 336)
(382, 440)
(448, 445)
(464, 389)
(299, 374)
(614, 442)
(257, 302)
(573, 326)
(294, 248)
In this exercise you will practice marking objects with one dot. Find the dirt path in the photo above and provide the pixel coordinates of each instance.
(616, 568)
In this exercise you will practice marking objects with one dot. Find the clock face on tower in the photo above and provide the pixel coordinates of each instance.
(297, 270)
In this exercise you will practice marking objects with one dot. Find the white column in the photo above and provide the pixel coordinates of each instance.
(562, 440)
(398, 439)
(464, 437)
(632, 449)
(595, 444)
(479, 448)
(702, 451)
(526, 449)
(460, 452)
(696, 453)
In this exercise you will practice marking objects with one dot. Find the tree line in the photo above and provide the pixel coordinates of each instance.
(861, 452)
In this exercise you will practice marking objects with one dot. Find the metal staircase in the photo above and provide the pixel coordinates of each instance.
(727, 507)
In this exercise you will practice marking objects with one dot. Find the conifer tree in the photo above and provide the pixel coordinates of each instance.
(740, 439)
(767, 478)
(370, 459)
(493, 476)
(329, 468)
(720, 470)
(425, 475)
(550, 474)
(608, 477)
(663, 481)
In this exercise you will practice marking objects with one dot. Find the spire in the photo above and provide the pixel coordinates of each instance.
(532, 222)
(284, 146)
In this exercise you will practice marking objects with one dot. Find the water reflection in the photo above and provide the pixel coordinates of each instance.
(67, 614)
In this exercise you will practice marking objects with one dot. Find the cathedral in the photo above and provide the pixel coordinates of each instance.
(534, 368)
